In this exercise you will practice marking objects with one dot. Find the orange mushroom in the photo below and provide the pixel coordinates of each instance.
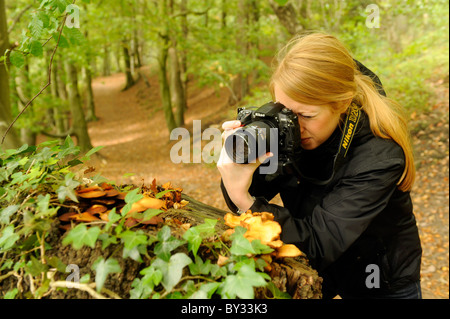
(91, 194)
(267, 231)
(85, 217)
(288, 250)
(144, 204)
(233, 220)
(96, 209)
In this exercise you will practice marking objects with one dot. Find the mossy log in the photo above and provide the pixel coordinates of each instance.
(291, 275)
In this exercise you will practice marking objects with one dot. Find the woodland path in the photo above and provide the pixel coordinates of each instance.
(131, 126)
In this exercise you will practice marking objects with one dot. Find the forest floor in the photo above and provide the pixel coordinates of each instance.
(137, 145)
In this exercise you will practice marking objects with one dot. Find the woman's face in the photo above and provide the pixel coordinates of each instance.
(317, 123)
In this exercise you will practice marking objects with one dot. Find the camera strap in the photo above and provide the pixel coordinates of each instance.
(351, 122)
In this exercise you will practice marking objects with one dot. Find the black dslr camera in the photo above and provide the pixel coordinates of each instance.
(269, 128)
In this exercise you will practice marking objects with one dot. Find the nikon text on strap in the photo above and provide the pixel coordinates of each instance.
(351, 122)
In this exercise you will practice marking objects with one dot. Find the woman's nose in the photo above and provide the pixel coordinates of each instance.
(302, 128)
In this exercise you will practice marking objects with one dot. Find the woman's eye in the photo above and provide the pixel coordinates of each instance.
(305, 116)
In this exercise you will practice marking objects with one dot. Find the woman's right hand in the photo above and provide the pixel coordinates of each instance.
(237, 178)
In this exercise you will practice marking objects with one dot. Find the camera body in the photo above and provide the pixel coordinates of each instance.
(269, 128)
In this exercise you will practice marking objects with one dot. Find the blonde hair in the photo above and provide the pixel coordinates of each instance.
(317, 69)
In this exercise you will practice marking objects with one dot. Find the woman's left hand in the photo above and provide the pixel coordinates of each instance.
(237, 178)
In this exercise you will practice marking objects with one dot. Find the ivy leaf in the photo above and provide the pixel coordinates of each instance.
(195, 235)
(81, 235)
(103, 268)
(260, 248)
(35, 267)
(131, 197)
(241, 245)
(67, 190)
(242, 284)
(132, 239)
(17, 59)
(163, 249)
(205, 291)
(8, 238)
(200, 267)
(6, 213)
(172, 270)
(112, 218)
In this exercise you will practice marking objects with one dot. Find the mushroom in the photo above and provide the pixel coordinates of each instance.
(267, 231)
(67, 216)
(85, 217)
(233, 220)
(288, 250)
(111, 192)
(144, 204)
(96, 209)
(91, 194)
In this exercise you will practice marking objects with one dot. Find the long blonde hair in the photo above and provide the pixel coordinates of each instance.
(317, 69)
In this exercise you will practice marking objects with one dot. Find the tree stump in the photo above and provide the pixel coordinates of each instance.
(292, 275)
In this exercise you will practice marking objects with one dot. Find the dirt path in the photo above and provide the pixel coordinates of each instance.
(131, 127)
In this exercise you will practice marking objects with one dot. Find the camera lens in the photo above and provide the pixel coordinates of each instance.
(248, 143)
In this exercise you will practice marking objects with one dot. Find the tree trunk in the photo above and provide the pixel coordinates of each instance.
(79, 126)
(163, 49)
(176, 87)
(240, 83)
(287, 16)
(106, 61)
(183, 53)
(90, 105)
(22, 87)
(128, 65)
(59, 119)
(176, 84)
(11, 139)
(292, 275)
(164, 89)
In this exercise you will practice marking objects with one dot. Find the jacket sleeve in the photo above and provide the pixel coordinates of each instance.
(343, 214)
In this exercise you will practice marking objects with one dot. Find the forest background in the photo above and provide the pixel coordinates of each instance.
(124, 73)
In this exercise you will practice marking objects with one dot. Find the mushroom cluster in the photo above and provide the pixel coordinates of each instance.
(95, 202)
(263, 227)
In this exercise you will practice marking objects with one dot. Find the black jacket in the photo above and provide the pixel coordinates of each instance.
(358, 219)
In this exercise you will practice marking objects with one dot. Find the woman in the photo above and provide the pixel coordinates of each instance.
(357, 228)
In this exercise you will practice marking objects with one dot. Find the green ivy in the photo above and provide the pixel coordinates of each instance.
(36, 181)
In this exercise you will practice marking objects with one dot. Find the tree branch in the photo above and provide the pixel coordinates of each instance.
(45, 86)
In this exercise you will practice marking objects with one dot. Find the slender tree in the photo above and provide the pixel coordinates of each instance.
(12, 139)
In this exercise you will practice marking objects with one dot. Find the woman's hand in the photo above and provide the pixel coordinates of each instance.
(237, 178)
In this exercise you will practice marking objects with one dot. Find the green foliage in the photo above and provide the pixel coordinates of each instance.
(45, 23)
(35, 182)
(103, 268)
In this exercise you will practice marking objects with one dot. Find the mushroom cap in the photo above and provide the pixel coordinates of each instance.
(85, 217)
(144, 204)
(91, 194)
(288, 250)
(233, 220)
(266, 231)
(96, 209)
